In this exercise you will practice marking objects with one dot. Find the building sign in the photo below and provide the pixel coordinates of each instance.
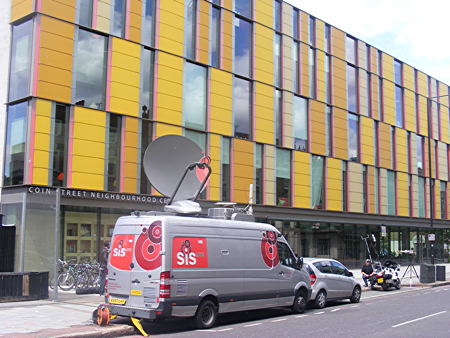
(431, 237)
(98, 195)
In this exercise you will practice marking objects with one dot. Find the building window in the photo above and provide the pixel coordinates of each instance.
(277, 15)
(419, 154)
(327, 79)
(243, 7)
(393, 145)
(300, 109)
(295, 67)
(20, 73)
(350, 50)
(90, 70)
(376, 189)
(344, 186)
(242, 115)
(328, 131)
(351, 89)
(327, 38)
(399, 106)
(277, 60)
(391, 192)
(190, 31)
(148, 22)
(312, 72)
(119, 17)
(408, 151)
(214, 38)
(323, 247)
(226, 168)
(146, 139)
(398, 72)
(113, 151)
(443, 197)
(283, 179)
(365, 191)
(147, 62)
(295, 23)
(353, 137)
(421, 196)
(317, 186)
(278, 118)
(375, 143)
(197, 137)
(16, 137)
(60, 126)
(85, 13)
(194, 96)
(312, 31)
(259, 173)
(242, 47)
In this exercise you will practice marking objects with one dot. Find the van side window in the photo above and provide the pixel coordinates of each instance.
(323, 266)
(287, 258)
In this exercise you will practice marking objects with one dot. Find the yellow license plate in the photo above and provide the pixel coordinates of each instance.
(117, 301)
(380, 280)
(136, 292)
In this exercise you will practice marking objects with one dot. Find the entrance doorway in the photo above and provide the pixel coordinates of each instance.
(7, 247)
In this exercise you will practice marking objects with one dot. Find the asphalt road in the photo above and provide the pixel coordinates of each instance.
(421, 312)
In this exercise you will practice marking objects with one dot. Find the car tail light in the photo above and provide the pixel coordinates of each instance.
(164, 284)
(313, 278)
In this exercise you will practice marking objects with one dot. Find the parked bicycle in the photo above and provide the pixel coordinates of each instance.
(78, 275)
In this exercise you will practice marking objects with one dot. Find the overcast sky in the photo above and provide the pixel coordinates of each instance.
(413, 31)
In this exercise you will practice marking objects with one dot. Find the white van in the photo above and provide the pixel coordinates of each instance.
(163, 265)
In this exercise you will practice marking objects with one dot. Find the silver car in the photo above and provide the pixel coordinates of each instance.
(331, 280)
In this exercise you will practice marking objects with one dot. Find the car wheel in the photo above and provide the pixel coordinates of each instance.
(299, 305)
(356, 295)
(206, 315)
(321, 299)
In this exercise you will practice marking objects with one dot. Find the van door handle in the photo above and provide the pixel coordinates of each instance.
(281, 273)
(136, 281)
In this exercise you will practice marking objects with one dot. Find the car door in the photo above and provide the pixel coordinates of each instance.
(345, 281)
(328, 278)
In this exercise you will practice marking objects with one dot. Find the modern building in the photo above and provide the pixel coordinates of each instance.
(340, 140)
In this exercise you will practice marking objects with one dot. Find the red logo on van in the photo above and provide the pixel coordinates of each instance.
(269, 249)
(148, 247)
(122, 252)
(189, 252)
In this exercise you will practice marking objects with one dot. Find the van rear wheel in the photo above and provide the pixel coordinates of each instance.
(299, 305)
(206, 315)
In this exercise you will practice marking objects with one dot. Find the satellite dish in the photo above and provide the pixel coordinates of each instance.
(170, 157)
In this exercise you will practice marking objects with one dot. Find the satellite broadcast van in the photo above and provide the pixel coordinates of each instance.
(180, 263)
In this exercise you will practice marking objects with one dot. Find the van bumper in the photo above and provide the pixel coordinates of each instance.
(163, 310)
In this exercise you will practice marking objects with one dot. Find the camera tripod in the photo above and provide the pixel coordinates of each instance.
(411, 269)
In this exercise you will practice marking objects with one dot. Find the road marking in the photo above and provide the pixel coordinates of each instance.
(207, 331)
(445, 289)
(278, 320)
(301, 316)
(425, 293)
(354, 306)
(227, 329)
(437, 290)
(250, 325)
(335, 310)
(415, 320)
(319, 313)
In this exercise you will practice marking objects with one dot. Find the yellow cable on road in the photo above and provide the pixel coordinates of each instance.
(138, 325)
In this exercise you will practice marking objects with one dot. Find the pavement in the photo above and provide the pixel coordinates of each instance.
(71, 314)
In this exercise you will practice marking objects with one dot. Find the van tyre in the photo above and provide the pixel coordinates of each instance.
(206, 315)
(321, 300)
(356, 295)
(299, 305)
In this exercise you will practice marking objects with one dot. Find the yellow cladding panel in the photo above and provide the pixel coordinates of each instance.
(287, 121)
(444, 123)
(362, 55)
(334, 184)
(374, 60)
(89, 116)
(339, 83)
(410, 110)
(125, 70)
(162, 129)
(320, 59)
(302, 179)
(375, 102)
(227, 41)
(287, 63)
(264, 70)
(320, 34)
(402, 194)
(388, 67)
(355, 187)
(363, 102)
(64, 10)
(87, 181)
(442, 162)
(103, 15)
(443, 90)
(228, 4)
(135, 19)
(169, 89)
(371, 189)
(264, 12)
(389, 102)
(242, 169)
(340, 133)
(304, 27)
(84, 164)
(269, 175)
(338, 43)
(54, 79)
(437, 200)
(214, 152)
(203, 32)
(221, 102)
(401, 150)
(42, 139)
(21, 8)
(264, 113)
(304, 69)
(384, 139)
(408, 77)
(367, 140)
(383, 191)
(40, 176)
(317, 127)
(171, 26)
(422, 83)
(286, 16)
(422, 128)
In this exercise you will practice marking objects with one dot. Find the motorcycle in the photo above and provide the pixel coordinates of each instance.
(386, 275)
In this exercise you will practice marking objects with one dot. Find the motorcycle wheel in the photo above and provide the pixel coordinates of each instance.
(398, 285)
(385, 286)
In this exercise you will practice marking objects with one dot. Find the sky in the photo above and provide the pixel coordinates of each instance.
(413, 31)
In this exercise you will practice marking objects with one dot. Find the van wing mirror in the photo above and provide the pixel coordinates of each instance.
(299, 262)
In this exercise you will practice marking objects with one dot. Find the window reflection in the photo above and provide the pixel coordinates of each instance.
(147, 58)
(399, 106)
(242, 108)
(277, 15)
(391, 192)
(146, 139)
(148, 22)
(398, 72)
(317, 186)
(114, 147)
(214, 38)
(350, 49)
(258, 173)
(312, 72)
(243, 7)
(226, 168)
(194, 96)
(85, 13)
(242, 47)
(283, 177)
(351, 88)
(190, 28)
(20, 74)
(60, 123)
(300, 110)
(277, 60)
(119, 18)
(353, 137)
(90, 70)
(278, 118)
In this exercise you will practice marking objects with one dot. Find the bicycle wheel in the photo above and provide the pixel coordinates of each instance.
(66, 281)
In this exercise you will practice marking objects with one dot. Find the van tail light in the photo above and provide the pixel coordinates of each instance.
(164, 284)
(313, 278)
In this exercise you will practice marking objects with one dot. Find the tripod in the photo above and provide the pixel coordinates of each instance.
(411, 269)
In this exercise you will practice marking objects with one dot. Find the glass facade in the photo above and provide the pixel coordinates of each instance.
(277, 60)
(278, 118)
(226, 149)
(353, 137)
(242, 47)
(300, 110)
(85, 12)
(243, 7)
(146, 96)
(148, 22)
(190, 30)
(259, 183)
(283, 177)
(242, 108)
(145, 139)
(113, 151)
(119, 16)
(352, 96)
(317, 182)
(194, 96)
(60, 126)
(214, 39)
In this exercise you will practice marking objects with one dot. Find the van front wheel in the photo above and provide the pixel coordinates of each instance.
(299, 305)
(206, 315)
